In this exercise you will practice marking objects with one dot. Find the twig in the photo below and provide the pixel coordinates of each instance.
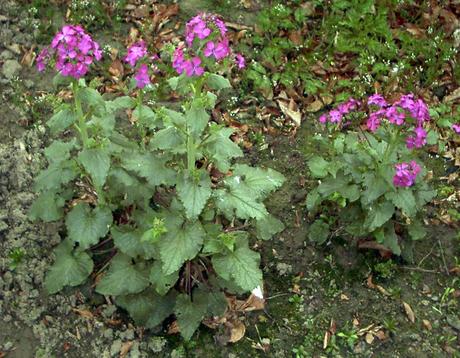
(426, 256)
(277, 295)
(419, 269)
(443, 258)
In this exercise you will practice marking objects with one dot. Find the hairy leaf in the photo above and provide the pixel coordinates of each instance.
(149, 166)
(189, 314)
(379, 215)
(318, 167)
(239, 202)
(217, 82)
(62, 120)
(55, 175)
(86, 226)
(123, 277)
(194, 192)
(318, 231)
(71, 268)
(96, 162)
(220, 147)
(59, 151)
(47, 207)
(268, 226)
(160, 280)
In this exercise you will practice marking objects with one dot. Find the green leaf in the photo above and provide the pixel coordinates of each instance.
(162, 282)
(239, 202)
(376, 187)
(194, 192)
(92, 98)
(96, 162)
(62, 120)
(59, 151)
(169, 138)
(47, 207)
(340, 184)
(55, 175)
(147, 308)
(319, 232)
(424, 195)
(71, 268)
(149, 166)
(318, 167)
(379, 215)
(197, 118)
(220, 147)
(181, 243)
(189, 314)
(386, 236)
(260, 182)
(123, 102)
(145, 116)
(217, 82)
(123, 277)
(127, 240)
(403, 199)
(86, 226)
(416, 230)
(268, 226)
(241, 266)
(313, 199)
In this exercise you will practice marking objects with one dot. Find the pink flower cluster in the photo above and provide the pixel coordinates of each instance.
(74, 49)
(213, 43)
(406, 173)
(336, 115)
(456, 128)
(399, 113)
(136, 52)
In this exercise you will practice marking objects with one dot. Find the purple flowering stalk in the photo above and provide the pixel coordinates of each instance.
(406, 173)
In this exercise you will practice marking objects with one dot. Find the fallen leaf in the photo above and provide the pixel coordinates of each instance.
(453, 96)
(427, 324)
(237, 331)
(369, 338)
(372, 285)
(381, 335)
(125, 348)
(344, 297)
(326, 339)
(291, 111)
(116, 69)
(410, 314)
(83, 313)
(315, 106)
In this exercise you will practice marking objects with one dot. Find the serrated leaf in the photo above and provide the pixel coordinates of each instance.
(189, 315)
(379, 214)
(268, 226)
(319, 231)
(123, 277)
(239, 202)
(313, 199)
(260, 182)
(47, 207)
(197, 118)
(92, 98)
(375, 187)
(123, 102)
(386, 236)
(169, 138)
(403, 199)
(71, 268)
(217, 82)
(181, 243)
(59, 151)
(55, 175)
(318, 167)
(149, 166)
(127, 240)
(160, 280)
(221, 148)
(145, 116)
(86, 226)
(96, 162)
(147, 308)
(61, 120)
(241, 266)
(416, 230)
(194, 192)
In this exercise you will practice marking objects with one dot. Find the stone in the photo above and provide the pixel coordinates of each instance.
(10, 69)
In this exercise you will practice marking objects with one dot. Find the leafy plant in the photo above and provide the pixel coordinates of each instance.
(166, 198)
(16, 256)
(378, 196)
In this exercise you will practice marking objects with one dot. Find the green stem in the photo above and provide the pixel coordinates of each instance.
(81, 118)
(190, 141)
(139, 125)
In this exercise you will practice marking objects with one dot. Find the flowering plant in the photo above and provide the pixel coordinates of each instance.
(373, 174)
(169, 204)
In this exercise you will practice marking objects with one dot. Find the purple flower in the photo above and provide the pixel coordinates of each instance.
(406, 173)
(220, 25)
(240, 61)
(406, 101)
(373, 122)
(420, 111)
(417, 141)
(348, 106)
(192, 67)
(196, 27)
(335, 116)
(456, 128)
(135, 52)
(74, 50)
(178, 60)
(142, 76)
(394, 116)
(378, 100)
(219, 51)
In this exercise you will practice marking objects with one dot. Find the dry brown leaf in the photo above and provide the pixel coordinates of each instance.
(453, 96)
(116, 69)
(125, 348)
(380, 334)
(173, 328)
(326, 339)
(291, 111)
(344, 297)
(29, 57)
(237, 331)
(315, 106)
(83, 313)
(410, 314)
(372, 285)
(427, 325)
(369, 338)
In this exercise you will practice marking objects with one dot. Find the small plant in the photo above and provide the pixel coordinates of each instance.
(376, 173)
(350, 336)
(166, 197)
(16, 256)
(385, 269)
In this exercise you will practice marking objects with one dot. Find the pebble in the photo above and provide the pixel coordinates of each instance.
(11, 68)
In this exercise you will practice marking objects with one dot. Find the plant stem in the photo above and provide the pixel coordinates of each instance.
(81, 118)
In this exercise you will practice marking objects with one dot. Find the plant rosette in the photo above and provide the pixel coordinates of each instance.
(374, 176)
(163, 218)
